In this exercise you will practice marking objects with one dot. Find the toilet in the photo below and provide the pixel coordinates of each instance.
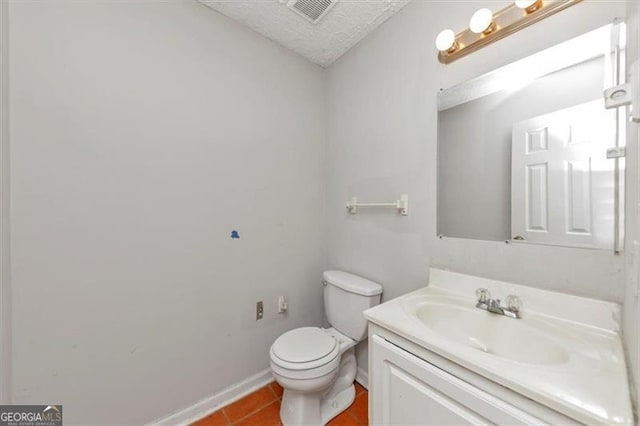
(316, 366)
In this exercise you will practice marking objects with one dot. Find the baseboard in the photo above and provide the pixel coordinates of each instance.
(208, 405)
(362, 377)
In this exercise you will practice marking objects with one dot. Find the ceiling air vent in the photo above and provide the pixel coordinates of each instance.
(312, 10)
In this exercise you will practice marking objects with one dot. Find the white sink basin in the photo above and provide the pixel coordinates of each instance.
(493, 334)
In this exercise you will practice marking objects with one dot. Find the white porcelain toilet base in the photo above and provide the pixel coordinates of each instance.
(331, 407)
(305, 409)
(301, 407)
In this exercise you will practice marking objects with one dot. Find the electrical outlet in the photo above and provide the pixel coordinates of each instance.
(259, 310)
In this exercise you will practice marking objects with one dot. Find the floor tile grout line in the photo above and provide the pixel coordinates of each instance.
(272, 391)
(226, 418)
(354, 415)
(356, 418)
(254, 411)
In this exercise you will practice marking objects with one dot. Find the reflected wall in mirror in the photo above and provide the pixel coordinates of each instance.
(522, 151)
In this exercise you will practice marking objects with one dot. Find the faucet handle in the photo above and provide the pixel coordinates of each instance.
(483, 295)
(514, 303)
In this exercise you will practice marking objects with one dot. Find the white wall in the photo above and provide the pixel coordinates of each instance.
(5, 230)
(382, 142)
(142, 134)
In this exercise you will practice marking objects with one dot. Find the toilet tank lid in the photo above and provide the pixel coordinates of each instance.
(352, 283)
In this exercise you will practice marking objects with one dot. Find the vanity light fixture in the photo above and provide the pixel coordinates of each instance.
(482, 22)
(446, 41)
(529, 6)
(485, 27)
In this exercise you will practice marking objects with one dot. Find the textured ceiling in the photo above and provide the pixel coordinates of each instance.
(348, 22)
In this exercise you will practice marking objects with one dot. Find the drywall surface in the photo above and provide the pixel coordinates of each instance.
(382, 142)
(143, 134)
(5, 228)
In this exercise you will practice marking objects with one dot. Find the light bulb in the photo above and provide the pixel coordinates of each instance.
(482, 21)
(529, 5)
(446, 40)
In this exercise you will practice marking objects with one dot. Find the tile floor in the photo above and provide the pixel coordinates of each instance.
(262, 408)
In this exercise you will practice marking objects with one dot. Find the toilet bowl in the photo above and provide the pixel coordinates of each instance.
(317, 367)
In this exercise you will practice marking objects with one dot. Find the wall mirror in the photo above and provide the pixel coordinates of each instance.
(522, 150)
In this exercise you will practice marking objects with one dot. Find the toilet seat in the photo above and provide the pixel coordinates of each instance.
(304, 348)
(305, 353)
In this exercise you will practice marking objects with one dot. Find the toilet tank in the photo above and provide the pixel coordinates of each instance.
(346, 297)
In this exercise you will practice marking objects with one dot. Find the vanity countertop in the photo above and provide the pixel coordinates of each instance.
(584, 377)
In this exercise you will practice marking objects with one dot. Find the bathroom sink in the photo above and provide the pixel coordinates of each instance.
(564, 352)
(512, 339)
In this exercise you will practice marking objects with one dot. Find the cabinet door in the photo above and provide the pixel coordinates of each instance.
(407, 390)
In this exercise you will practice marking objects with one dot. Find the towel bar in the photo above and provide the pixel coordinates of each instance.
(402, 205)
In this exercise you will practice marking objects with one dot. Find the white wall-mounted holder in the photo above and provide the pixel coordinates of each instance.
(402, 205)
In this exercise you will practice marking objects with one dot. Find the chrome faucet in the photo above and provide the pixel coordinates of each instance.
(512, 310)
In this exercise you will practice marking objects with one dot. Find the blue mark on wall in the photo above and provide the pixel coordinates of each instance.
(235, 235)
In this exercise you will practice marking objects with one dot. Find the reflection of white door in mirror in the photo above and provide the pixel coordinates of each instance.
(561, 181)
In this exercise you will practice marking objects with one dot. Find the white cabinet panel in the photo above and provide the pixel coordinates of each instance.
(410, 400)
(407, 390)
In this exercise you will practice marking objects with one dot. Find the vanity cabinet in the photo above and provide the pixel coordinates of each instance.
(407, 389)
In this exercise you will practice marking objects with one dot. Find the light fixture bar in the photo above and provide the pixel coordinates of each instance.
(507, 21)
